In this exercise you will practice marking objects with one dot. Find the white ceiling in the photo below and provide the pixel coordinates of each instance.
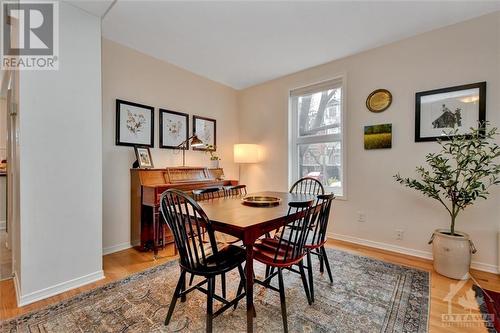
(95, 7)
(241, 44)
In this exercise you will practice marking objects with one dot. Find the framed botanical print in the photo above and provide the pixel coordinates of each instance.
(143, 155)
(174, 129)
(134, 124)
(440, 111)
(206, 130)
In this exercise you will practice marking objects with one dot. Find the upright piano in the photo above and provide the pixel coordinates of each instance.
(147, 186)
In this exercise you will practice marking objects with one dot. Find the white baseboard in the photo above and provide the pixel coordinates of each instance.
(404, 250)
(55, 289)
(3, 225)
(116, 248)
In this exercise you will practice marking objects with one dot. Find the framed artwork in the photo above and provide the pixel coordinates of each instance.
(440, 111)
(206, 130)
(378, 136)
(143, 155)
(134, 124)
(174, 129)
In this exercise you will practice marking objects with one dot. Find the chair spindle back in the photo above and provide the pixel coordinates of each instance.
(208, 193)
(188, 223)
(319, 220)
(308, 185)
(235, 191)
(291, 244)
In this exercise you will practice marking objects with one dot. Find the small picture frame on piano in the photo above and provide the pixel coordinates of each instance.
(144, 160)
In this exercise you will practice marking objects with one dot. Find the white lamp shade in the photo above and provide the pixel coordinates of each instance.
(246, 153)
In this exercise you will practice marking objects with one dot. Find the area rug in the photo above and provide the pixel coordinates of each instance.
(489, 305)
(367, 295)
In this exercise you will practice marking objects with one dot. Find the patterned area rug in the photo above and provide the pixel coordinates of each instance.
(489, 305)
(367, 295)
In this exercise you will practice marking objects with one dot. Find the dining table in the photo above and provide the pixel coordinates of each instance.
(232, 217)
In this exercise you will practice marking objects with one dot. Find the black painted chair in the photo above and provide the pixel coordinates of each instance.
(208, 193)
(235, 191)
(285, 251)
(186, 219)
(308, 185)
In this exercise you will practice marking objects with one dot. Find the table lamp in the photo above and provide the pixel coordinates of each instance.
(195, 142)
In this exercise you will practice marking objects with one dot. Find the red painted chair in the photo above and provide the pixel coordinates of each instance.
(285, 251)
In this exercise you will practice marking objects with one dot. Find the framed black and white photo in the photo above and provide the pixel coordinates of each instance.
(206, 130)
(440, 111)
(143, 155)
(134, 124)
(174, 129)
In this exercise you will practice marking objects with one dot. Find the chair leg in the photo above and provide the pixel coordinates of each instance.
(191, 279)
(282, 300)
(210, 303)
(320, 256)
(271, 272)
(223, 285)
(310, 273)
(175, 297)
(304, 282)
(183, 287)
(242, 284)
(327, 264)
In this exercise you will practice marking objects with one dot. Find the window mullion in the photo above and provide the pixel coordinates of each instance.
(319, 139)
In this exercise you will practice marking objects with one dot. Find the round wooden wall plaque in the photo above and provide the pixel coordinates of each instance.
(379, 100)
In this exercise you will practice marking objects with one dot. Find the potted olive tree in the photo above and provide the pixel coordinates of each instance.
(459, 174)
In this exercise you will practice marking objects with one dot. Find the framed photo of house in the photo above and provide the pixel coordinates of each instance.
(437, 112)
(174, 129)
(134, 124)
(206, 130)
(143, 155)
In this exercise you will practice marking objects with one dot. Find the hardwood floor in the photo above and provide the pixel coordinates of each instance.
(121, 264)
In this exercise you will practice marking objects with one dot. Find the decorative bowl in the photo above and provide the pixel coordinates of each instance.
(261, 201)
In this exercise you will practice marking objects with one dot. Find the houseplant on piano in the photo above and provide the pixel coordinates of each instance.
(460, 173)
(214, 159)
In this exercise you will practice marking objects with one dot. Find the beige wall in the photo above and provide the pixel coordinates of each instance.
(459, 54)
(133, 76)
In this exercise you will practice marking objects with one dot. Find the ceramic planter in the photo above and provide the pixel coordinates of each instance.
(452, 254)
(214, 164)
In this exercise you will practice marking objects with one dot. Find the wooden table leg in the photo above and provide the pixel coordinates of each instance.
(249, 289)
(156, 223)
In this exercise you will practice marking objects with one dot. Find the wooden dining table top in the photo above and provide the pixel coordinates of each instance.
(231, 216)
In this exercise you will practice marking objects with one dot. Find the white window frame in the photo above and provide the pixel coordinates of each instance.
(294, 139)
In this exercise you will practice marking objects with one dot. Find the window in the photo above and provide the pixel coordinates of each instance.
(316, 145)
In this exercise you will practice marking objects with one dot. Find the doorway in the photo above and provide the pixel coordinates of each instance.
(5, 252)
(6, 105)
